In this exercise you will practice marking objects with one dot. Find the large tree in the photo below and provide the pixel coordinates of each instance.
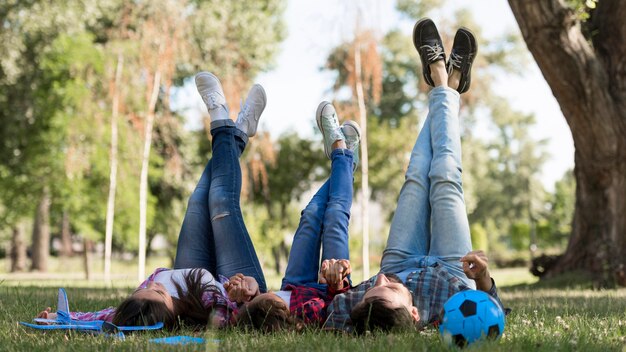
(580, 48)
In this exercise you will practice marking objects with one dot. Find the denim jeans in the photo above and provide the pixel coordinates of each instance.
(323, 224)
(430, 223)
(213, 235)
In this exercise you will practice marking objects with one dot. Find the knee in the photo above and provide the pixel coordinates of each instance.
(198, 200)
(338, 208)
(220, 205)
(446, 169)
(313, 211)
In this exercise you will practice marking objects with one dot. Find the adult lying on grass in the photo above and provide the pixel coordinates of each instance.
(213, 243)
(306, 288)
(428, 256)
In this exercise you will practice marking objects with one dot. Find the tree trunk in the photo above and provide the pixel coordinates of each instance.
(365, 190)
(66, 236)
(589, 82)
(87, 249)
(108, 237)
(143, 185)
(18, 248)
(41, 233)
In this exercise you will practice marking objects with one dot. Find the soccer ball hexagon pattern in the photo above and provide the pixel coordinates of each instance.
(469, 316)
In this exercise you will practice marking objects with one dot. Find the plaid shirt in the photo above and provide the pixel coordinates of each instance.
(309, 304)
(430, 287)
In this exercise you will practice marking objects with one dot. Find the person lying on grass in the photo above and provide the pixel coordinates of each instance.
(428, 256)
(307, 287)
(213, 243)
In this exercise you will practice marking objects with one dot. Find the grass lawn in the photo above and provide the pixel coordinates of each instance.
(558, 316)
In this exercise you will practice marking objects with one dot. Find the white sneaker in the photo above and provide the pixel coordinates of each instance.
(327, 121)
(352, 132)
(212, 94)
(248, 118)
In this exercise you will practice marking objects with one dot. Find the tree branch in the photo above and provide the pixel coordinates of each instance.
(578, 79)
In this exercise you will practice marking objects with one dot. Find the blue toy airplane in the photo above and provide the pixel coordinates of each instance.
(65, 322)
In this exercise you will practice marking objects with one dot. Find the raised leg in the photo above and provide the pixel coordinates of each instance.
(196, 246)
(450, 238)
(235, 252)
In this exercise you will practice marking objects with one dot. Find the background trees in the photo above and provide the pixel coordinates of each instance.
(58, 60)
(60, 89)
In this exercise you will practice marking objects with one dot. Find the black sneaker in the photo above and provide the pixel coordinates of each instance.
(429, 45)
(462, 56)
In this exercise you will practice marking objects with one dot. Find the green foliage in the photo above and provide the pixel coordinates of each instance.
(234, 38)
(57, 67)
(414, 9)
(520, 235)
(297, 164)
(480, 240)
(582, 8)
(557, 219)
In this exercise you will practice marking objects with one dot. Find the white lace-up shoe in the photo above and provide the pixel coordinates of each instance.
(352, 132)
(328, 123)
(248, 118)
(212, 94)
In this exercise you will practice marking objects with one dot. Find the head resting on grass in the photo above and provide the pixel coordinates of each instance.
(386, 306)
(267, 313)
(153, 304)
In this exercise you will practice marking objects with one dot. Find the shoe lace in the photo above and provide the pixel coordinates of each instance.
(245, 110)
(456, 60)
(433, 51)
(211, 99)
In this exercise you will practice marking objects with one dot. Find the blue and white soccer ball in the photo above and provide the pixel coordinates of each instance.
(469, 316)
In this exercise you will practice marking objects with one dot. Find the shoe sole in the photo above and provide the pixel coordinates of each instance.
(355, 126)
(474, 50)
(318, 119)
(357, 129)
(264, 95)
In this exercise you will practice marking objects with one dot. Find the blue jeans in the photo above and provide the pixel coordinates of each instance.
(430, 223)
(213, 235)
(323, 224)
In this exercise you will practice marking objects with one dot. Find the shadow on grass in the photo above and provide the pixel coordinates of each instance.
(577, 280)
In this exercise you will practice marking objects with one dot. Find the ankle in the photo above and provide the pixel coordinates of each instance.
(339, 144)
(438, 73)
(454, 79)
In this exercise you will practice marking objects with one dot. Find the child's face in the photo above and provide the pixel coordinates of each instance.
(155, 291)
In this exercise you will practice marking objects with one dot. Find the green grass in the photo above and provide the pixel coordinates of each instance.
(564, 315)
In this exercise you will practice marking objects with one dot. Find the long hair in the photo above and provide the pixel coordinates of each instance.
(266, 316)
(189, 308)
(136, 311)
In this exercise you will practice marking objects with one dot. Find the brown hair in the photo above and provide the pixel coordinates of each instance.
(137, 311)
(189, 309)
(374, 314)
(266, 315)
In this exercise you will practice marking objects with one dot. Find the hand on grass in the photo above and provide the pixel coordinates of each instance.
(476, 268)
(46, 314)
(333, 272)
(241, 288)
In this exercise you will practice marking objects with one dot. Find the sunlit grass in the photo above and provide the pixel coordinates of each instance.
(564, 315)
